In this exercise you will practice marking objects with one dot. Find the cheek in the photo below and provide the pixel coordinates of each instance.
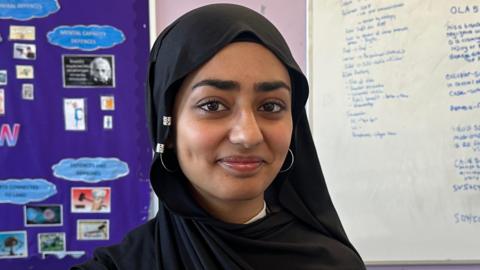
(279, 136)
(197, 142)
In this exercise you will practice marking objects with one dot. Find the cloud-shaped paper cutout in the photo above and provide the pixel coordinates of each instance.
(22, 191)
(85, 37)
(25, 10)
(90, 170)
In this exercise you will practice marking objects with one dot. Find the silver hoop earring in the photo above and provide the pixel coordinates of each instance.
(164, 166)
(291, 162)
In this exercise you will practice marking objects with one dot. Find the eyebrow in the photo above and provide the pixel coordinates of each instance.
(269, 86)
(220, 84)
(233, 85)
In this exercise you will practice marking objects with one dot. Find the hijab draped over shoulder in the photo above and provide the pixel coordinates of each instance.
(302, 229)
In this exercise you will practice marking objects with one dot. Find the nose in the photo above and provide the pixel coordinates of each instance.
(245, 130)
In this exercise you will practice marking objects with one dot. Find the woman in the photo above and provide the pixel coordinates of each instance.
(235, 167)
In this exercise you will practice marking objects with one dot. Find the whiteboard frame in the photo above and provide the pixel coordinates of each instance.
(424, 263)
(310, 105)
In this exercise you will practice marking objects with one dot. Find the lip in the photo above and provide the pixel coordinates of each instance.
(241, 165)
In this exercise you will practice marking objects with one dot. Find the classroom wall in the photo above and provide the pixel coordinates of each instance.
(289, 16)
(291, 19)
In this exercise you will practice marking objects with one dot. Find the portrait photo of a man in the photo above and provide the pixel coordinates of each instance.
(101, 71)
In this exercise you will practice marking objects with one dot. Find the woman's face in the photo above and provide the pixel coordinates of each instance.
(234, 123)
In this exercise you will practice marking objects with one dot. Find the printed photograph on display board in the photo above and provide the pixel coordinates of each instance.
(27, 91)
(80, 71)
(93, 229)
(13, 244)
(24, 72)
(90, 200)
(18, 32)
(43, 215)
(24, 51)
(107, 103)
(2, 101)
(75, 114)
(3, 77)
(51, 242)
(107, 122)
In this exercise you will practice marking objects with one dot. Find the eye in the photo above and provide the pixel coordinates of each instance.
(212, 106)
(272, 107)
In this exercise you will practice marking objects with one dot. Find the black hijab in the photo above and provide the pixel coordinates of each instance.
(302, 229)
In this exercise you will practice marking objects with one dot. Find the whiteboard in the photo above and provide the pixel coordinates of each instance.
(396, 121)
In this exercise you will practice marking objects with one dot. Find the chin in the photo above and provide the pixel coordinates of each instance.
(240, 192)
(241, 195)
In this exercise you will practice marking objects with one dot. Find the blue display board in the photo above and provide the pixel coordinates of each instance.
(74, 148)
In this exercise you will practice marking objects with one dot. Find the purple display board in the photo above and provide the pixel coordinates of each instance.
(74, 148)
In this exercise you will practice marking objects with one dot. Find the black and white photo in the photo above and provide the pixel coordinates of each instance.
(93, 71)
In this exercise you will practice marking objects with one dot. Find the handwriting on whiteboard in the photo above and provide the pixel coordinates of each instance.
(370, 24)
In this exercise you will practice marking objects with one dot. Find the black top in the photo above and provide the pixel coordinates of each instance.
(290, 244)
(302, 230)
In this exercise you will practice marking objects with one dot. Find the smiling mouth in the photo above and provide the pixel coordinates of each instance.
(241, 165)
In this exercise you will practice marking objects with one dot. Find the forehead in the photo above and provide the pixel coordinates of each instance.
(101, 63)
(243, 60)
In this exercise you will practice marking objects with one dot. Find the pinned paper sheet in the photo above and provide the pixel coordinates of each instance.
(75, 114)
